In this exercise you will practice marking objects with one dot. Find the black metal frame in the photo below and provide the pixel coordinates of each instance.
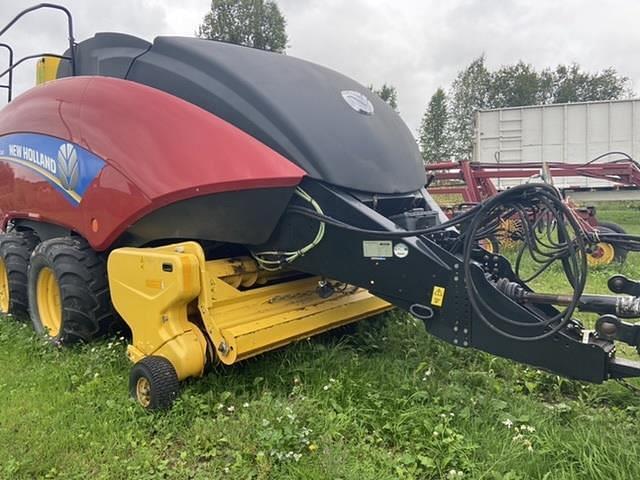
(9, 84)
(12, 65)
(408, 283)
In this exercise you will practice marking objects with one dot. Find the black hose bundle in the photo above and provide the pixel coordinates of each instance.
(550, 232)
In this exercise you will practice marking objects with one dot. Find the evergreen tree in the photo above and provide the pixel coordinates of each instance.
(434, 135)
(469, 92)
(388, 93)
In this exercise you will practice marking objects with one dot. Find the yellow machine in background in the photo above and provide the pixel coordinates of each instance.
(180, 307)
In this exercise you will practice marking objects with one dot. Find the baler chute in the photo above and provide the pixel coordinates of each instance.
(227, 201)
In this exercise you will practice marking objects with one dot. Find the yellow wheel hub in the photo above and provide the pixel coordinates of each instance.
(4, 288)
(48, 300)
(143, 391)
(603, 254)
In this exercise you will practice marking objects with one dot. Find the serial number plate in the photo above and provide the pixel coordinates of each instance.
(377, 248)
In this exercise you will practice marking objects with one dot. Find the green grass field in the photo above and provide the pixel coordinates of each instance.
(389, 402)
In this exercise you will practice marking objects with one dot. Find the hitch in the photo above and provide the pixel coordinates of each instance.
(622, 306)
(609, 326)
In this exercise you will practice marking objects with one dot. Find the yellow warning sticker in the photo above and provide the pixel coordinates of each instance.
(437, 297)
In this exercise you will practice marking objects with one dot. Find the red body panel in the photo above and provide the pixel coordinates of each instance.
(157, 149)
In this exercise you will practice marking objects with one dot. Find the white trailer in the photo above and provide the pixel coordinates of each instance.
(571, 133)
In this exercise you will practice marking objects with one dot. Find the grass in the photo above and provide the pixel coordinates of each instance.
(389, 402)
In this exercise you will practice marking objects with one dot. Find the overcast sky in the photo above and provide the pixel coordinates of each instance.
(416, 45)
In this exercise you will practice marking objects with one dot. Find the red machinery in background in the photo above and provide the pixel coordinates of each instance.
(475, 182)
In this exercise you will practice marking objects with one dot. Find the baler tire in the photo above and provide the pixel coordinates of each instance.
(83, 290)
(153, 383)
(15, 251)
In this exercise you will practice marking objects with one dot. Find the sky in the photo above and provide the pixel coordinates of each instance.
(415, 45)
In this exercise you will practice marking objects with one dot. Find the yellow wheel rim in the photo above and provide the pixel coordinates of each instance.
(143, 391)
(487, 245)
(603, 254)
(4, 288)
(48, 299)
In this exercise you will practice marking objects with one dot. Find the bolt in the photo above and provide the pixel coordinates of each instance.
(455, 341)
(465, 331)
(223, 348)
(455, 329)
(456, 266)
(465, 344)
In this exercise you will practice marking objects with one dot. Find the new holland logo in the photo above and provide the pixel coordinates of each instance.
(358, 102)
(68, 167)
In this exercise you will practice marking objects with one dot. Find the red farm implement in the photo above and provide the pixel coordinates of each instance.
(474, 182)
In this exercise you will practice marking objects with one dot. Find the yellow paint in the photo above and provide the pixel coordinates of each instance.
(48, 301)
(487, 244)
(242, 310)
(154, 283)
(437, 297)
(47, 69)
(158, 316)
(4, 288)
(604, 254)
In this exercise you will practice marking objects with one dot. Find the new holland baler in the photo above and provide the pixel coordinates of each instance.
(224, 201)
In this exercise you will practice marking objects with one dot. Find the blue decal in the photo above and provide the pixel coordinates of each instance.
(67, 166)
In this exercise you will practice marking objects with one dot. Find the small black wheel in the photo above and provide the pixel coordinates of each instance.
(68, 291)
(154, 383)
(15, 250)
(605, 253)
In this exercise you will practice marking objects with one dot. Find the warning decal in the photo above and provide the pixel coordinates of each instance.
(437, 297)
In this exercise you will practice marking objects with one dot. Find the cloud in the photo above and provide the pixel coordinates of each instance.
(416, 45)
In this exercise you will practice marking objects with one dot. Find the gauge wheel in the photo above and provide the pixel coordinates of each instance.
(605, 253)
(153, 383)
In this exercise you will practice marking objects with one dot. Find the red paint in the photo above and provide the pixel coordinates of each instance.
(158, 149)
(478, 184)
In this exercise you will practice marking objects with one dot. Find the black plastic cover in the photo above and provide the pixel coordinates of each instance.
(293, 106)
(106, 54)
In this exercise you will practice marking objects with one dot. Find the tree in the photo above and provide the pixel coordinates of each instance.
(253, 23)
(571, 84)
(469, 92)
(516, 85)
(388, 93)
(434, 135)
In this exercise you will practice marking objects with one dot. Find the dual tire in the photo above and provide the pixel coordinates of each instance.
(62, 285)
